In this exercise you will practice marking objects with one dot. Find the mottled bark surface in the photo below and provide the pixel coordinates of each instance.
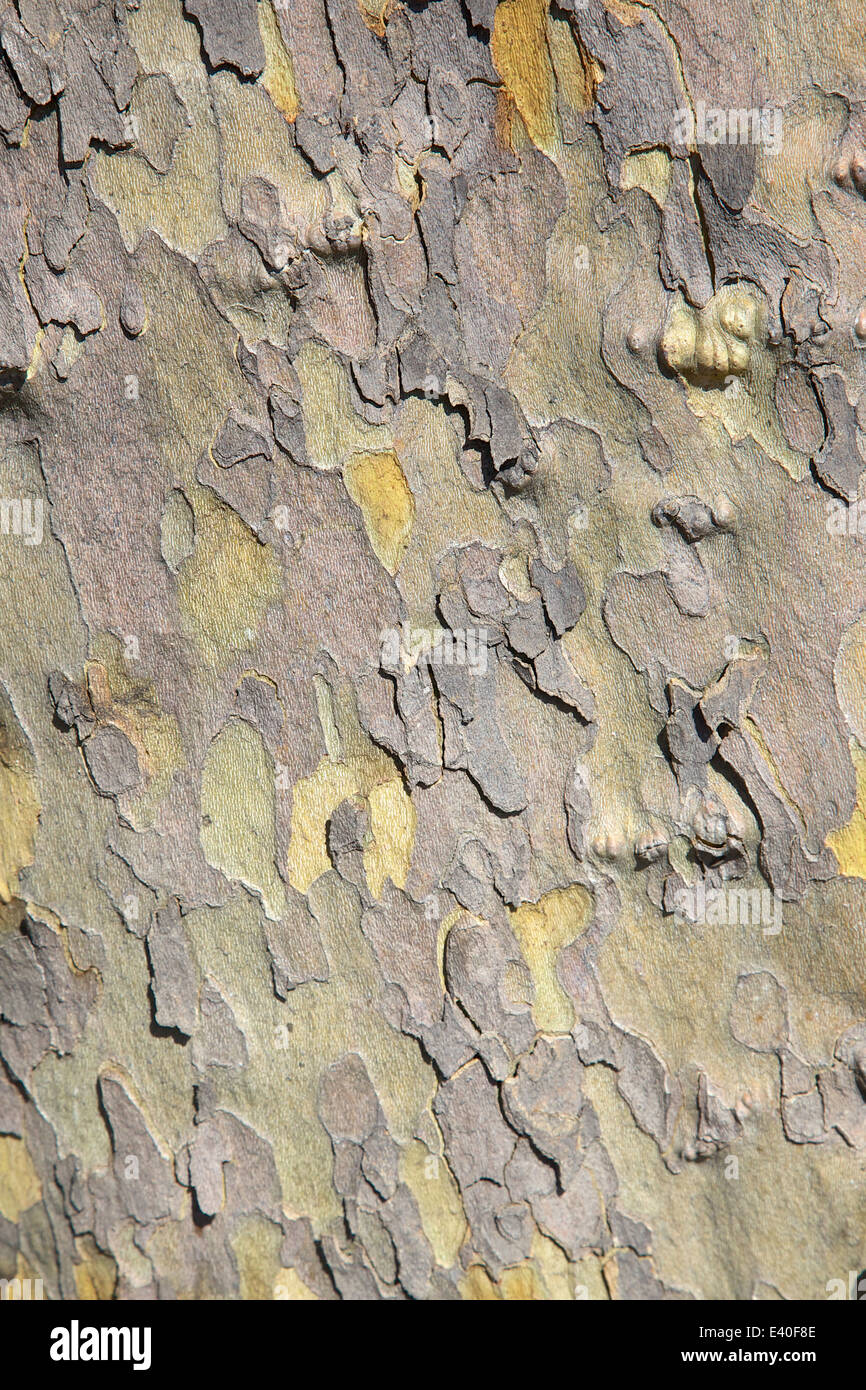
(433, 704)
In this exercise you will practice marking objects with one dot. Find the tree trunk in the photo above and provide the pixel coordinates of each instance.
(433, 705)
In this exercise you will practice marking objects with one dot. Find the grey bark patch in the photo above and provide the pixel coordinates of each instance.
(401, 1218)
(173, 973)
(644, 1083)
(218, 1042)
(682, 253)
(348, 1105)
(838, 462)
(473, 739)
(240, 441)
(295, 949)
(207, 1154)
(486, 975)
(145, 1185)
(478, 1142)
(62, 298)
(544, 1100)
(30, 62)
(133, 311)
(556, 677)
(799, 412)
(112, 761)
(562, 594)
(404, 937)
(502, 1230)
(230, 34)
(159, 118)
(759, 1012)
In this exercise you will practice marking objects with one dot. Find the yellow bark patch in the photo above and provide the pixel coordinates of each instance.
(375, 14)
(521, 1284)
(238, 793)
(256, 1244)
(429, 1179)
(542, 929)
(849, 678)
(225, 586)
(292, 1289)
(392, 820)
(478, 1287)
(392, 825)
(375, 483)
(407, 182)
(353, 767)
(96, 1275)
(20, 1187)
(120, 696)
(578, 74)
(278, 78)
(183, 206)
(522, 59)
(19, 801)
(649, 170)
(626, 14)
(849, 843)
(334, 430)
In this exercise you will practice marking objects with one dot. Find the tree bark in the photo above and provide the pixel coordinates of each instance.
(433, 704)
